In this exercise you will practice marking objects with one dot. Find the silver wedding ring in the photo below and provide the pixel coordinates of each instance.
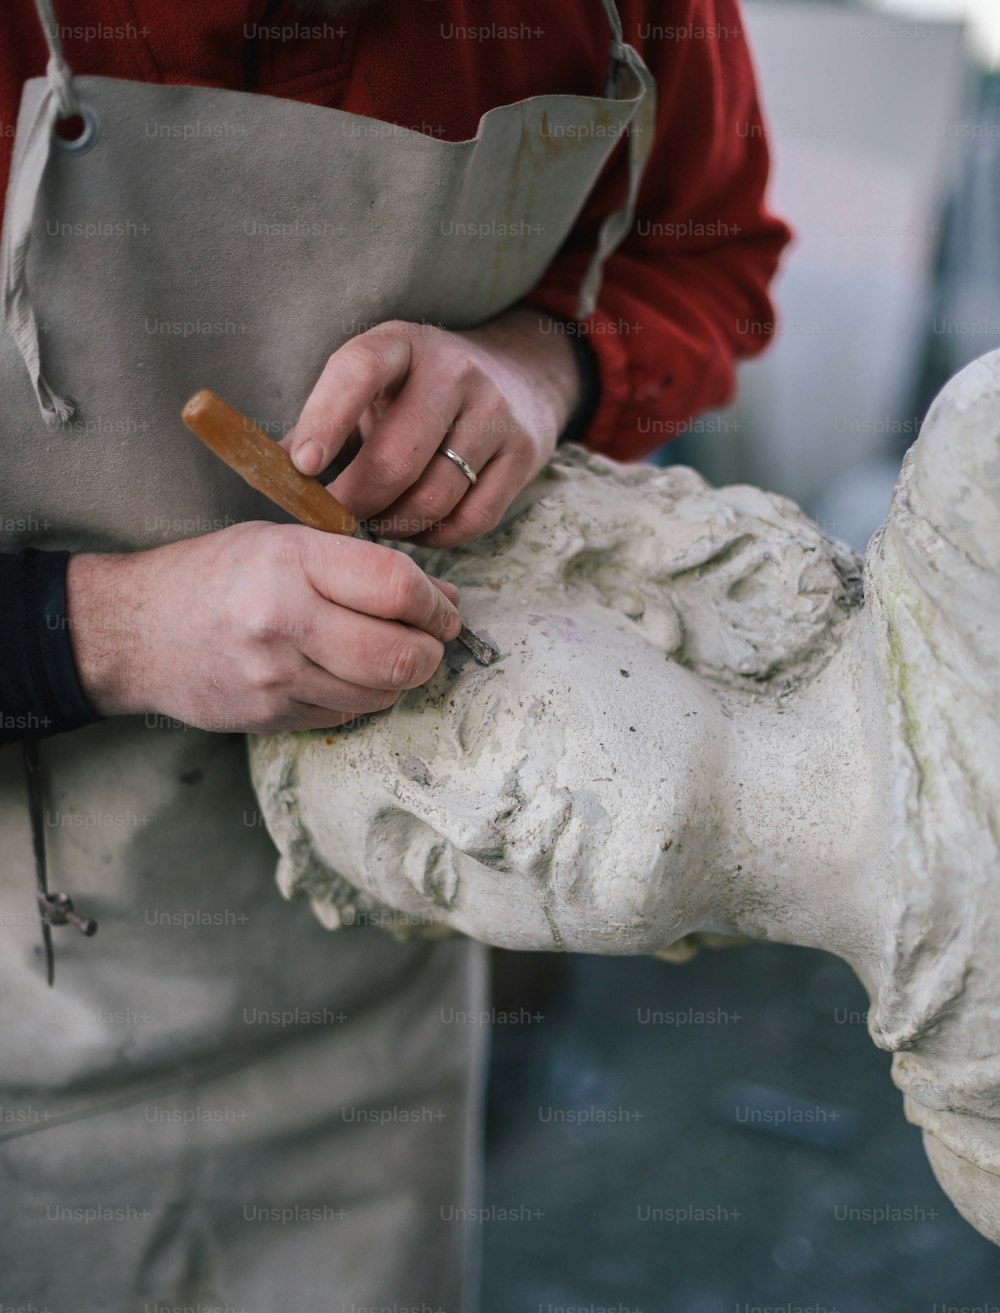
(463, 465)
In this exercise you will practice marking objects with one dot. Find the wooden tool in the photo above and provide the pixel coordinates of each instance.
(267, 467)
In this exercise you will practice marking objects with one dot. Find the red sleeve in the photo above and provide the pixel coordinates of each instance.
(686, 294)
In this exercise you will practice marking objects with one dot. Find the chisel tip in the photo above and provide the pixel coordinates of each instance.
(485, 653)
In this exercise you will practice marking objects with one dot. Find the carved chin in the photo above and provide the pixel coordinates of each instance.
(975, 1191)
(963, 1149)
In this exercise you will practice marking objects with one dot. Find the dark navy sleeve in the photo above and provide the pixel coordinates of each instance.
(40, 692)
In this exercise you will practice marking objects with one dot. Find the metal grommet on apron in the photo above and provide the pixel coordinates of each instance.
(87, 135)
(200, 1068)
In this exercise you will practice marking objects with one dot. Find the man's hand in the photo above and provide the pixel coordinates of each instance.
(256, 628)
(499, 396)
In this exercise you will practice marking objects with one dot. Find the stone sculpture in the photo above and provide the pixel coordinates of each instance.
(707, 721)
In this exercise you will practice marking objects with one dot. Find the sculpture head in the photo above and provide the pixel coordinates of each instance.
(653, 630)
(565, 796)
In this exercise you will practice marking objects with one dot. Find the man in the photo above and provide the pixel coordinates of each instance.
(249, 1109)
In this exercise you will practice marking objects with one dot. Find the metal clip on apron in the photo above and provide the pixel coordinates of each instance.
(91, 444)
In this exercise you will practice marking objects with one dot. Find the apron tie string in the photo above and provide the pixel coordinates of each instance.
(58, 71)
(626, 62)
(58, 101)
(19, 314)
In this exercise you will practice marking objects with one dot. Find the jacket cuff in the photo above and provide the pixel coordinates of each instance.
(589, 378)
(40, 691)
(600, 337)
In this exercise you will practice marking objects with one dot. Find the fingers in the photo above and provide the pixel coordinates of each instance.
(411, 389)
(354, 376)
(308, 716)
(377, 582)
(399, 453)
(312, 698)
(371, 653)
(449, 589)
(321, 698)
(443, 484)
(482, 508)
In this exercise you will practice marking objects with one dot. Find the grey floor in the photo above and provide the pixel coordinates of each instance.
(745, 1151)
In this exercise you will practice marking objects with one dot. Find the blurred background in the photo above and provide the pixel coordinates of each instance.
(884, 123)
(721, 1136)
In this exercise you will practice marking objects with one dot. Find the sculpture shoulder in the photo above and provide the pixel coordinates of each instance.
(931, 578)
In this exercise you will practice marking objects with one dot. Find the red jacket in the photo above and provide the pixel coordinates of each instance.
(687, 292)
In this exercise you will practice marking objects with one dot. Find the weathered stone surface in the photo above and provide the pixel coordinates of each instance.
(699, 728)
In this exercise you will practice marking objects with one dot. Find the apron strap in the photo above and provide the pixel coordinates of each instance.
(615, 19)
(58, 101)
(18, 312)
(58, 71)
(626, 64)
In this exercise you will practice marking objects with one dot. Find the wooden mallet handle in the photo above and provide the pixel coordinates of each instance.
(263, 464)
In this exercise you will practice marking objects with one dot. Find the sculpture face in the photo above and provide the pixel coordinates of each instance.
(567, 796)
(549, 801)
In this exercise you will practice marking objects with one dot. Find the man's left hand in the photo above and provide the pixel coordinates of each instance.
(498, 396)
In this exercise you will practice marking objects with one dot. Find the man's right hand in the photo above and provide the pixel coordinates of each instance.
(257, 628)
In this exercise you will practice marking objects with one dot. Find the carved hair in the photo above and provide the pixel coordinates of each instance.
(735, 583)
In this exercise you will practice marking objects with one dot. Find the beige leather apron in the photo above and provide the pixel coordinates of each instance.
(221, 1103)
